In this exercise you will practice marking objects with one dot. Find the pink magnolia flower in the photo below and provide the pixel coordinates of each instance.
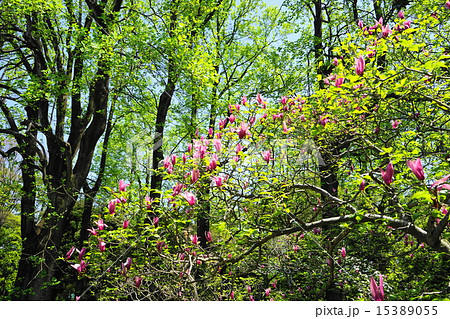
(122, 186)
(343, 252)
(244, 100)
(388, 174)
(239, 148)
(218, 181)
(137, 281)
(401, 15)
(81, 253)
(173, 159)
(160, 245)
(232, 294)
(249, 289)
(155, 221)
(439, 184)
(232, 118)
(277, 116)
(70, 252)
(217, 144)
(338, 82)
(121, 200)
(360, 64)
(274, 284)
(296, 248)
(125, 224)
(323, 120)
(127, 263)
(447, 5)
(284, 100)
(148, 202)
(222, 124)
(208, 236)
(200, 151)
(416, 168)
(101, 245)
(267, 156)
(212, 163)
(194, 239)
(259, 98)
(195, 174)
(112, 206)
(360, 24)
(335, 62)
(362, 186)
(251, 298)
(379, 22)
(385, 30)
(395, 123)
(177, 189)
(191, 199)
(93, 231)
(81, 267)
(243, 130)
(100, 224)
(377, 291)
(285, 129)
(267, 291)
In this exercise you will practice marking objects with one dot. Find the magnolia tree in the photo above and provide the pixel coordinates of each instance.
(255, 181)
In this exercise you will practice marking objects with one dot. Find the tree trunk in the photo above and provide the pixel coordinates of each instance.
(164, 103)
(165, 100)
(42, 242)
(327, 167)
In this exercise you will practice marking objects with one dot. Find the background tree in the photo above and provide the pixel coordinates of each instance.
(57, 60)
(10, 242)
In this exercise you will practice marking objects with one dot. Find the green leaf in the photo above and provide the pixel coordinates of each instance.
(422, 196)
